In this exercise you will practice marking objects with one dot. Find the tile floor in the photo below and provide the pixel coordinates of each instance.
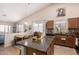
(61, 50)
(58, 50)
(9, 50)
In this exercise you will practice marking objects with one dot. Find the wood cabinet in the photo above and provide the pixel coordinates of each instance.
(49, 27)
(50, 50)
(49, 24)
(31, 51)
(59, 41)
(73, 26)
(78, 22)
(73, 23)
(68, 41)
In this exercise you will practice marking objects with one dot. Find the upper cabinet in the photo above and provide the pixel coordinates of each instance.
(49, 27)
(50, 24)
(73, 26)
(78, 22)
(73, 22)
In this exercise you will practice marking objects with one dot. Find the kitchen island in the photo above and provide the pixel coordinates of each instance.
(41, 47)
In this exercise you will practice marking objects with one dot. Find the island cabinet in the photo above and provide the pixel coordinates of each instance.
(73, 23)
(32, 51)
(50, 50)
(67, 41)
(41, 47)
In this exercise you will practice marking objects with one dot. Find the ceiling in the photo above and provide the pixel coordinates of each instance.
(13, 12)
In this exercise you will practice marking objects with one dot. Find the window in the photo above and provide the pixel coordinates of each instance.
(35, 27)
(20, 28)
(38, 27)
(1, 28)
(60, 26)
(9, 28)
(5, 28)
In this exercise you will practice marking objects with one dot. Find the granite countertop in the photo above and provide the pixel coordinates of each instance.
(42, 45)
(65, 34)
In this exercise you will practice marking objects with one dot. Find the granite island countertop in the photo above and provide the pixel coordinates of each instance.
(42, 45)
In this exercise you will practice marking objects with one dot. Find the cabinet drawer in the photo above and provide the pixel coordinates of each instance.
(60, 41)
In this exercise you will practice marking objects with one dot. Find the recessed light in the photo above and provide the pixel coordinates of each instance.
(28, 3)
(4, 15)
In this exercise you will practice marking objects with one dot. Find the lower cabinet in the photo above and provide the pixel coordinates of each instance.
(32, 51)
(50, 50)
(68, 41)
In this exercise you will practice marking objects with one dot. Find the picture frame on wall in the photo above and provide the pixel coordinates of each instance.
(60, 12)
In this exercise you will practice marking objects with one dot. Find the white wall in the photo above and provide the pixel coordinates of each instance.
(50, 13)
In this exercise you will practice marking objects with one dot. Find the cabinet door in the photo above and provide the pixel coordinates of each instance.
(52, 49)
(49, 24)
(59, 40)
(49, 51)
(72, 23)
(32, 51)
(78, 22)
(70, 41)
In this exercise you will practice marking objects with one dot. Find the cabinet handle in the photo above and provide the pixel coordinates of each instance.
(63, 38)
(34, 53)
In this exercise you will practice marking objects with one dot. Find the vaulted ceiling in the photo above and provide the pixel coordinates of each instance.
(13, 12)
